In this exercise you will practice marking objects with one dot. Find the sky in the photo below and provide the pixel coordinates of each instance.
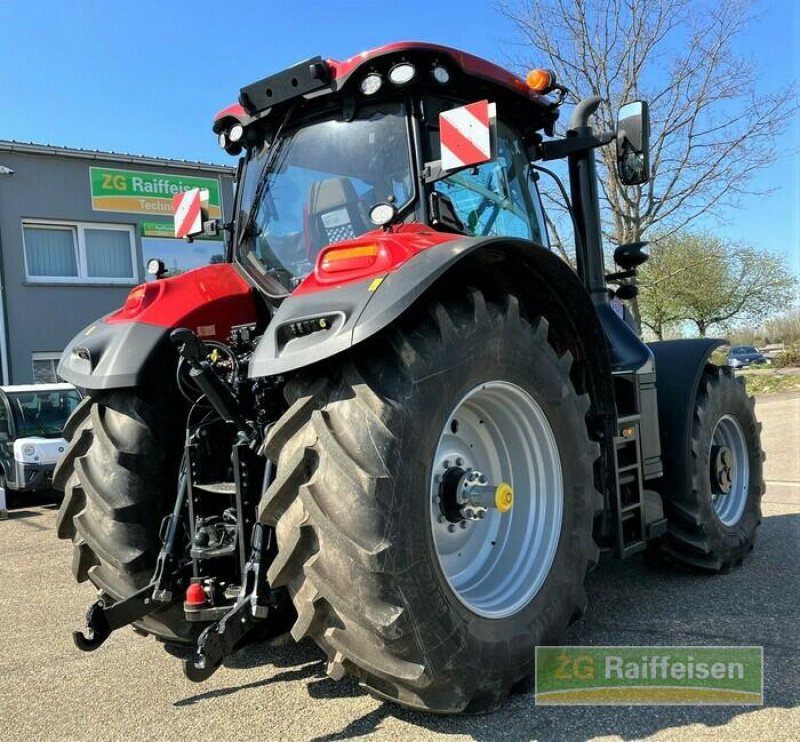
(147, 77)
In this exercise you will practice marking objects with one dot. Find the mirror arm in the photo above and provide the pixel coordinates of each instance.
(557, 149)
(432, 171)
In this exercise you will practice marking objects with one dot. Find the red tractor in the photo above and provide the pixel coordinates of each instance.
(395, 421)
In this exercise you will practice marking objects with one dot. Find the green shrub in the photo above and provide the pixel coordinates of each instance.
(789, 358)
(719, 355)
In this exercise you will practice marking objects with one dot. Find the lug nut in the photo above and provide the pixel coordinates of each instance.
(440, 519)
(459, 461)
(463, 524)
(446, 464)
(451, 527)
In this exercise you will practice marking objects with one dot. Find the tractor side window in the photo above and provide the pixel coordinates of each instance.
(493, 199)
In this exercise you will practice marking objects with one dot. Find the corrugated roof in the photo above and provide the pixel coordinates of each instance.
(32, 148)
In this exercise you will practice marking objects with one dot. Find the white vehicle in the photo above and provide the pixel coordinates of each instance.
(32, 419)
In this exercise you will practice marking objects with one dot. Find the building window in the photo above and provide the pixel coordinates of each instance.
(44, 368)
(79, 253)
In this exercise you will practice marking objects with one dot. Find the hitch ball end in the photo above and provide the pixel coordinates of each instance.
(504, 497)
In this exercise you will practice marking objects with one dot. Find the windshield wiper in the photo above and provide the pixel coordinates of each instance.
(261, 185)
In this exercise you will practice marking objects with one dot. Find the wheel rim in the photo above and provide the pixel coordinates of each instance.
(734, 473)
(495, 566)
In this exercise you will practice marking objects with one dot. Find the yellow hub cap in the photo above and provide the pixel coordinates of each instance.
(504, 497)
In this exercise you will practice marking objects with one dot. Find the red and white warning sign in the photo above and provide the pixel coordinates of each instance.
(467, 134)
(187, 207)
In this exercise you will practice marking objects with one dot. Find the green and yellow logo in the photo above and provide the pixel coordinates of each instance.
(138, 192)
(649, 675)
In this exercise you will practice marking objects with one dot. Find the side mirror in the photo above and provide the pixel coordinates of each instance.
(633, 143)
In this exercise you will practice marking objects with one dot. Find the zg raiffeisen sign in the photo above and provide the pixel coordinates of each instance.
(137, 192)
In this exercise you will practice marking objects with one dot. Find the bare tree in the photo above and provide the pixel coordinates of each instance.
(712, 124)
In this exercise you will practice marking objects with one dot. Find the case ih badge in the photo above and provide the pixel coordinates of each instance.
(466, 134)
(188, 208)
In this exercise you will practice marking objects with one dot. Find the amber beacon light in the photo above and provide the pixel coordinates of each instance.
(541, 81)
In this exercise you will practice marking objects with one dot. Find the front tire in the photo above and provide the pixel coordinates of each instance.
(358, 548)
(713, 521)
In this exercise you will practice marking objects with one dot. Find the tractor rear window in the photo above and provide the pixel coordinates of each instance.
(320, 182)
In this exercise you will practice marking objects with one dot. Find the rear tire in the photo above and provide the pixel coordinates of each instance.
(351, 506)
(711, 531)
(119, 476)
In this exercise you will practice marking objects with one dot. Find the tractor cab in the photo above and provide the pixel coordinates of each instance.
(334, 151)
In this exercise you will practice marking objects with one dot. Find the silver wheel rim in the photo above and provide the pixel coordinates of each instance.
(495, 566)
(730, 507)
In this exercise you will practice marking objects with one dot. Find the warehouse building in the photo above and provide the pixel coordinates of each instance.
(76, 230)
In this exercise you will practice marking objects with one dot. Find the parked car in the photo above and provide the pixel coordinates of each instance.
(32, 420)
(740, 356)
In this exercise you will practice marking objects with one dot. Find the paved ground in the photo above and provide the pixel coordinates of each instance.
(131, 689)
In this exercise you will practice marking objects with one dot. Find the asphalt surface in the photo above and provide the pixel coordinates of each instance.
(131, 689)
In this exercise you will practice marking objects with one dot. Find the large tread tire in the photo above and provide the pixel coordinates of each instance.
(697, 539)
(350, 507)
(119, 476)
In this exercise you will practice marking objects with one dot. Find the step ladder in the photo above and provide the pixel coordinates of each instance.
(630, 509)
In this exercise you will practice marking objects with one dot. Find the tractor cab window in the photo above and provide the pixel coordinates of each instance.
(497, 198)
(315, 185)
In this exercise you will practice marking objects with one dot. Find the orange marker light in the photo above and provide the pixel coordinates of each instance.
(541, 81)
(336, 259)
(139, 298)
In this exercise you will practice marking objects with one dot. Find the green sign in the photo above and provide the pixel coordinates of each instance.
(649, 676)
(167, 230)
(138, 192)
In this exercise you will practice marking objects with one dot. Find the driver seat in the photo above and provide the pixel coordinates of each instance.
(333, 213)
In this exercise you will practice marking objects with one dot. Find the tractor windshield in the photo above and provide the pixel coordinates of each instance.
(314, 186)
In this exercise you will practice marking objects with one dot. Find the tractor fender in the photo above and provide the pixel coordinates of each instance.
(123, 348)
(679, 369)
(351, 314)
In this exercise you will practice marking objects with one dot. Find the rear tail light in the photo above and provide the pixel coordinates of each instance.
(340, 259)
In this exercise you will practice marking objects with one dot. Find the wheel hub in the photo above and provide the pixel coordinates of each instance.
(728, 470)
(467, 495)
(496, 499)
(723, 466)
